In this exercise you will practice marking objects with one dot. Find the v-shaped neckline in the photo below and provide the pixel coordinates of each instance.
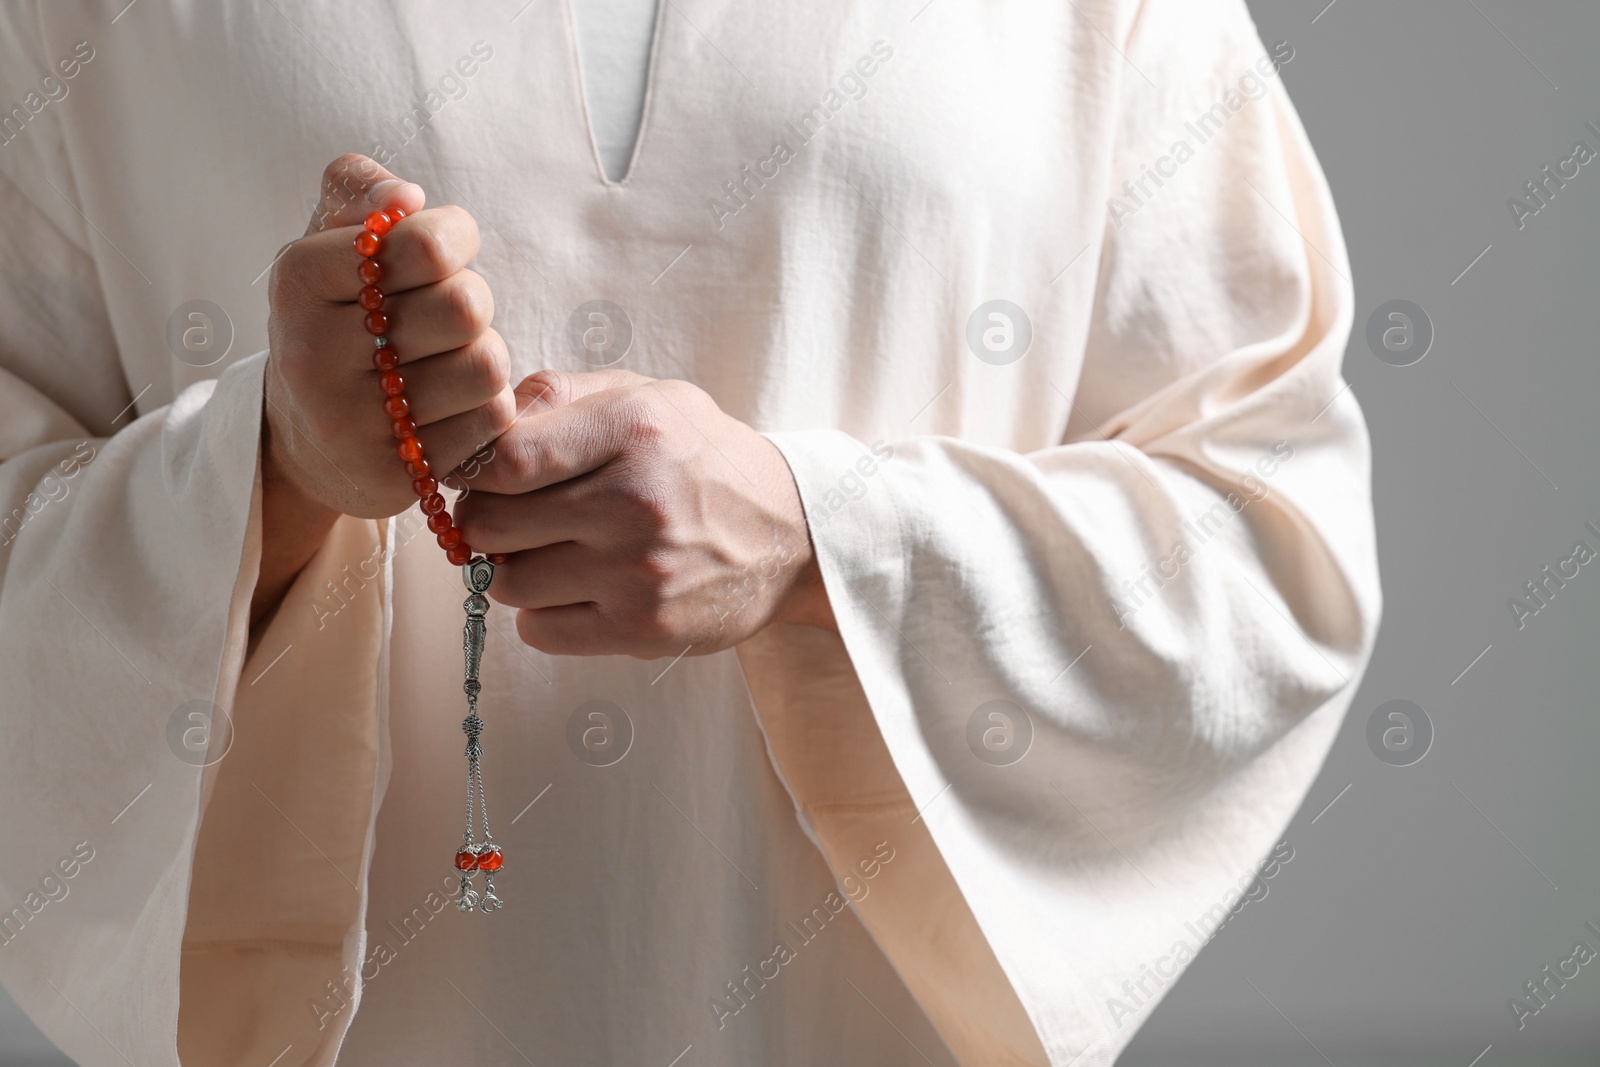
(575, 57)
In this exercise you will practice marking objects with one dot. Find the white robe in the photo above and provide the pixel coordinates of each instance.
(1179, 412)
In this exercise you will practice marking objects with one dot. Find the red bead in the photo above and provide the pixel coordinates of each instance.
(370, 298)
(403, 428)
(420, 468)
(498, 558)
(466, 861)
(392, 382)
(368, 244)
(396, 407)
(432, 504)
(379, 223)
(370, 271)
(410, 449)
(424, 487)
(460, 555)
(450, 538)
(377, 323)
(490, 859)
(386, 358)
(439, 522)
(397, 213)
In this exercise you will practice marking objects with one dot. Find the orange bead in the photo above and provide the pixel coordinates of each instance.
(419, 468)
(379, 223)
(377, 322)
(490, 858)
(396, 408)
(370, 271)
(386, 358)
(460, 555)
(410, 449)
(392, 382)
(450, 538)
(424, 487)
(368, 244)
(403, 428)
(370, 298)
(439, 522)
(498, 558)
(432, 504)
(397, 213)
(466, 861)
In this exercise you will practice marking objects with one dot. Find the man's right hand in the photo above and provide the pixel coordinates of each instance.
(325, 432)
(328, 447)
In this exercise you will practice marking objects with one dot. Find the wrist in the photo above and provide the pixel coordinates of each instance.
(806, 603)
(293, 527)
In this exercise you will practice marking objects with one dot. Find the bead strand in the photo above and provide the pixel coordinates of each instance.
(371, 300)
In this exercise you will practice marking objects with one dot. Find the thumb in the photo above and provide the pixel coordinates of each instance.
(547, 390)
(354, 186)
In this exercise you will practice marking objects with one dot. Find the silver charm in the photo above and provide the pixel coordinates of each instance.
(477, 574)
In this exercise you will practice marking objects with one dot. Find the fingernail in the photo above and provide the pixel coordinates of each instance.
(380, 192)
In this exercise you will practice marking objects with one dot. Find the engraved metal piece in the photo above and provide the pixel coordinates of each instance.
(477, 575)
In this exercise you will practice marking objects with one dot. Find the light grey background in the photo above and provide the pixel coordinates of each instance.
(1425, 896)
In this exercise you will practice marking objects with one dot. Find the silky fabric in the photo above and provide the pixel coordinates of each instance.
(1101, 556)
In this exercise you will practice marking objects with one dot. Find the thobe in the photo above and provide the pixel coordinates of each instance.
(1103, 565)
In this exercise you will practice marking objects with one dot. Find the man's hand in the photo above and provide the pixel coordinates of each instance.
(641, 520)
(326, 433)
(327, 445)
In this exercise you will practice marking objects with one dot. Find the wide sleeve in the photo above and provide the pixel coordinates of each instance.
(1105, 672)
(129, 546)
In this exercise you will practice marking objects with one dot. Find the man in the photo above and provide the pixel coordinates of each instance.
(937, 436)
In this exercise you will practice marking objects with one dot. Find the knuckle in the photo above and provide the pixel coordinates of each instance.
(470, 301)
(492, 363)
(640, 421)
(435, 251)
(651, 512)
(548, 389)
(460, 221)
(500, 414)
(340, 168)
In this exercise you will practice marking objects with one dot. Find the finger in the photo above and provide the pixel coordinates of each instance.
(573, 630)
(425, 248)
(450, 442)
(493, 522)
(449, 383)
(440, 317)
(354, 186)
(571, 439)
(548, 389)
(551, 577)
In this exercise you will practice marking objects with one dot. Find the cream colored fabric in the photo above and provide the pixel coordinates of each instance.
(987, 530)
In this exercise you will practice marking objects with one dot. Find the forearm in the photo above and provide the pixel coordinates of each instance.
(293, 528)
